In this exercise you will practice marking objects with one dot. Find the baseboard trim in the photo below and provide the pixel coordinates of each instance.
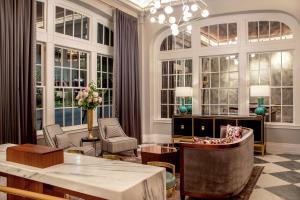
(278, 148)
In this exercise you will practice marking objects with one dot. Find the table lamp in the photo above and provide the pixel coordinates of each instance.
(260, 91)
(183, 92)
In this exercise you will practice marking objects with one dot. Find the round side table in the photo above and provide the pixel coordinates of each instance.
(93, 140)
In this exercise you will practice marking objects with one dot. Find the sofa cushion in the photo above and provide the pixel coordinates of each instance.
(63, 141)
(119, 144)
(234, 132)
(208, 140)
(113, 131)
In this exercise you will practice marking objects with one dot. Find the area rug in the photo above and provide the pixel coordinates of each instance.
(243, 195)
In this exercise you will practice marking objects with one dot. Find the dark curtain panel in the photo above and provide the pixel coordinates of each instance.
(127, 74)
(17, 60)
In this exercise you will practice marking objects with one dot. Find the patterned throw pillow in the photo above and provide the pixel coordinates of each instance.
(234, 132)
(113, 131)
(208, 140)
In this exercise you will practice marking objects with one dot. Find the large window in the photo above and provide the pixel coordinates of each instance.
(181, 41)
(261, 31)
(274, 69)
(175, 73)
(220, 82)
(71, 67)
(71, 23)
(40, 15)
(40, 85)
(218, 35)
(105, 35)
(105, 85)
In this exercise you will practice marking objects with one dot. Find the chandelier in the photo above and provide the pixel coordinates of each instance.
(176, 13)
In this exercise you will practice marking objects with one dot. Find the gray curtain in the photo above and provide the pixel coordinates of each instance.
(17, 60)
(127, 74)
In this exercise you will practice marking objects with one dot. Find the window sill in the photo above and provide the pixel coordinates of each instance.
(162, 120)
(281, 125)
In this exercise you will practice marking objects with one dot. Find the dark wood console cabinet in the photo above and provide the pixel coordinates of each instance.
(184, 127)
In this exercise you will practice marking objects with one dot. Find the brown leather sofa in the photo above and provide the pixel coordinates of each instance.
(216, 170)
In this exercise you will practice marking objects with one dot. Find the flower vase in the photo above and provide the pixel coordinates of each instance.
(90, 114)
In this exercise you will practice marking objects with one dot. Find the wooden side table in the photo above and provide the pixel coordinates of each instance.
(93, 140)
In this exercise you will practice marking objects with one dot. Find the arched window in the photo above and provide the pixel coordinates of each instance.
(181, 41)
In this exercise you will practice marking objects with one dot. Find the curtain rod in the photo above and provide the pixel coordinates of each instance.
(120, 7)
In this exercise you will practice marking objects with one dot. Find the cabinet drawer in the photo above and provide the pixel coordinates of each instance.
(203, 127)
(183, 127)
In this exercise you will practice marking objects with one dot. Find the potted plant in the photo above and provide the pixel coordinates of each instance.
(89, 99)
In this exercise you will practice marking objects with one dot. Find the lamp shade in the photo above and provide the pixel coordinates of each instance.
(184, 91)
(259, 90)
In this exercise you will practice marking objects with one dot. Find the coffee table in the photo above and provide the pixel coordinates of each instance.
(161, 154)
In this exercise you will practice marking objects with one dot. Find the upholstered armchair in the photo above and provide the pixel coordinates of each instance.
(113, 138)
(56, 138)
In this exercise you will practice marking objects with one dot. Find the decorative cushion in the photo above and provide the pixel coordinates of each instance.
(170, 180)
(234, 132)
(63, 141)
(208, 140)
(113, 131)
(119, 144)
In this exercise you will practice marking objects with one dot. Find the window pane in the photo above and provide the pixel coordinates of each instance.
(171, 42)
(67, 97)
(39, 119)
(223, 64)
(57, 77)
(205, 97)
(264, 31)
(85, 28)
(163, 46)
(69, 22)
(58, 95)
(40, 14)
(233, 96)
(275, 96)
(179, 40)
(188, 81)
(77, 25)
(276, 69)
(286, 31)
(59, 20)
(204, 36)
(205, 80)
(100, 34)
(104, 64)
(223, 34)
(75, 60)
(205, 65)
(253, 31)
(83, 78)
(214, 97)
(287, 96)
(205, 110)
(164, 97)
(68, 117)
(254, 61)
(39, 97)
(274, 30)
(187, 40)
(111, 38)
(232, 33)
(275, 114)
(77, 116)
(215, 64)
(188, 66)
(213, 35)
(171, 96)
(215, 80)
(223, 96)
(66, 77)
(164, 111)
(58, 55)
(66, 58)
(110, 65)
(59, 117)
(75, 80)
(287, 69)
(83, 60)
(106, 35)
(287, 114)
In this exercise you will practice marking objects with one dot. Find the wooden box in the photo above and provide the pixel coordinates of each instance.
(35, 155)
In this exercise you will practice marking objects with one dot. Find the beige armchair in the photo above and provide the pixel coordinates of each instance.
(119, 142)
(56, 138)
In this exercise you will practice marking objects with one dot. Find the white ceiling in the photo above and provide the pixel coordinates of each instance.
(141, 3)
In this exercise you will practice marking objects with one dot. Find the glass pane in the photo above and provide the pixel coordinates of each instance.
(188, 66)
(232, 33)
(205, 65)
(75, 93)
(69, 22)
(164, 67)
(57, 77)
(110, 80)
(77, 25)
(59, 20)
(171, 96)
(274, 30)
(275, 96)
(205, 80)
(264, 61)
(110, 97)
(66, 77)
(164, 97)
(75, 60)
(215, 80)
(286, 31)
(253, 31)
(214, 110)
(287, 69)
(171, 111)
(223, 110)
(67, 97)
(104, 64)
(40, 14)
(224, 80)
(180, 80)
(83, 60)
(172, 67)
(165, 82)
(68, 117)
(59, 117)
(214, 64)
(75, 76)
(205, 96)
(223, 64)
(100, 34)
(38, 54)
(106, 98)
(264, 31)
(233, 96)
(83, 78)
(264, 77)
(233, 63)
(164, 111)
(213, 35)
(179, 41)
(276, 69)
(188, 81)
(99, 112)
(214, 98)
(172, 80)
(287, 96)
(287, 114)
(204, 36)
(85, 28)
(254, 61)
(106, 111)
(83, 116)
(106, 35)
(39, 120)
(99, 80)
(223, 96)
(111, 38)
(57, 59)
(223, 34)
(58, 97)
(77, 116)
(104, 80)
(38, 75)
(66, 58)
(180, 67)
(171, 42)
(187, 40)
(275, 114)
(205, 110)
(110, 65)
(39, 97)
(163, 46)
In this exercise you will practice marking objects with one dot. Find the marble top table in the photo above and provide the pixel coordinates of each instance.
(108, 179)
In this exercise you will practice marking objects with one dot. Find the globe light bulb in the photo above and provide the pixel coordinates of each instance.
(152, 19)
(185, 18)
(194, 7)
(175, 32)
(205, 13)
(157, 5)
(169, 10)
(161, 17)
(185, 8)
(153, 10)
(172, 20)
(188, 14)
(189, 28)
(174, 26)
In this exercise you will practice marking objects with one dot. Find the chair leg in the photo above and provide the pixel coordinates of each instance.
(135, 152)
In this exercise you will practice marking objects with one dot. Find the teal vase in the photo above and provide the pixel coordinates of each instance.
(260, 110)
(182, 108)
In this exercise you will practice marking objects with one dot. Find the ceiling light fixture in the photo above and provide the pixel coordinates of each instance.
(177, 12)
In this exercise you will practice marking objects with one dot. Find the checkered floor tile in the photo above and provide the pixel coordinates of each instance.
(280, 178)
